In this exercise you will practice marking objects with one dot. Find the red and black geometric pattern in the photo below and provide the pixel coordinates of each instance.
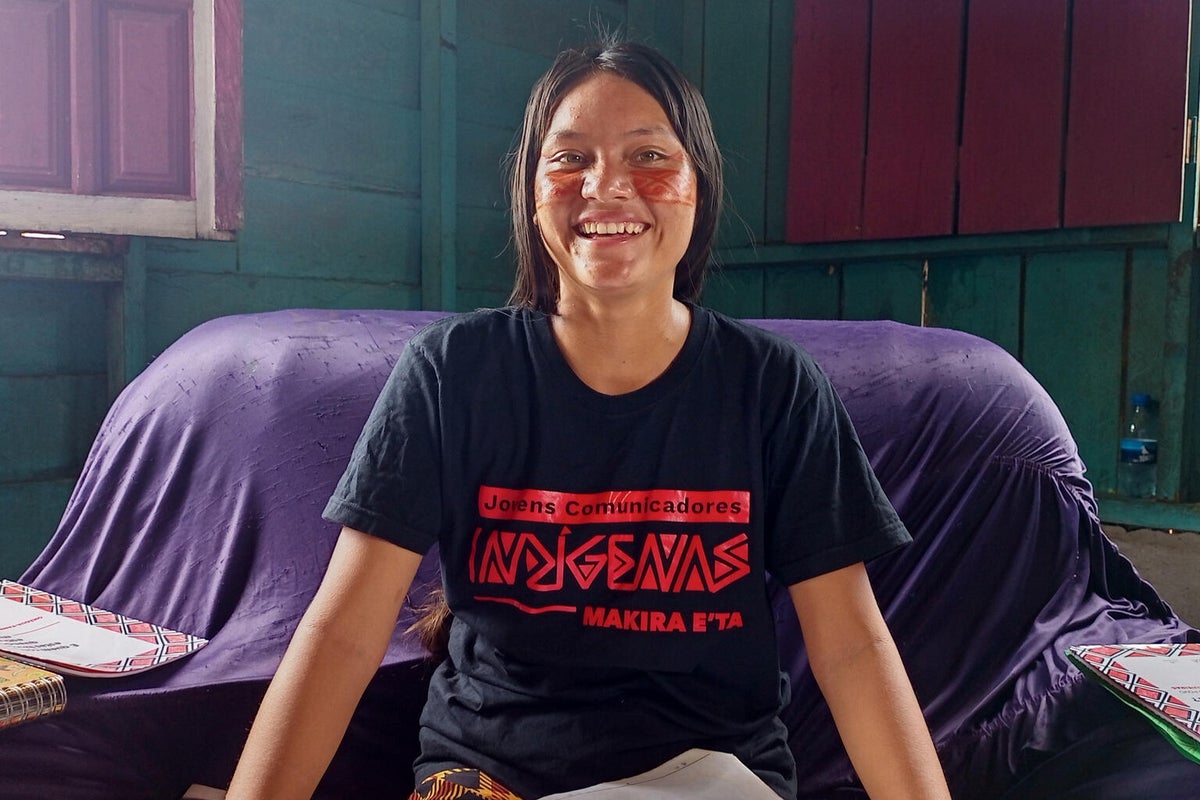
(162, 644)
(1120, 664)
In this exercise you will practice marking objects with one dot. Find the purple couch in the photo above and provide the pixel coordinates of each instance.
(199, 508)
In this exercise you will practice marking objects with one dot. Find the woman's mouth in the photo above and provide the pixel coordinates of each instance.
(596, 229)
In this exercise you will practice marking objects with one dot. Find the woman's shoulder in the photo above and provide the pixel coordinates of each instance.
(757, 342)
(472, 331)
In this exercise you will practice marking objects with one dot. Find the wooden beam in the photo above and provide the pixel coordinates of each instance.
(843, 252)
(31, 263)
(127, 321)
(439, 154)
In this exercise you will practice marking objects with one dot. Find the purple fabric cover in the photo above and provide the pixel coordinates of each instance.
(199, 508)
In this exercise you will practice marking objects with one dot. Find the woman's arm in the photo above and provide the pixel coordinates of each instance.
(337, 648)
(858, 668)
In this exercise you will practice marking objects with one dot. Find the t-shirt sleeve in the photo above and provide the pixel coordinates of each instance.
(392, 485)
(826, 509)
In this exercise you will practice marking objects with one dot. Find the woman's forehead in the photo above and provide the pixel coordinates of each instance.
(607, 103)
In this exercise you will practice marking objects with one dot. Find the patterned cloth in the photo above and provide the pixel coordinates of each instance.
(461, 784)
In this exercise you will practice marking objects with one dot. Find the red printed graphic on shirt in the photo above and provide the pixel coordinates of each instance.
(657, 543)
(655, 505)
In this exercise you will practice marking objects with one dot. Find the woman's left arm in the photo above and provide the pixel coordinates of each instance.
(859, 670)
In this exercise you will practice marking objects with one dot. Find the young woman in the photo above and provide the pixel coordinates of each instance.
(610, 472)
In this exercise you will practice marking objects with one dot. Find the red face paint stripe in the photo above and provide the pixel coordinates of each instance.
(665, 186)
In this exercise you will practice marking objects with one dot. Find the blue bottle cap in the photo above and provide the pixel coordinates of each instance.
(1141, 399)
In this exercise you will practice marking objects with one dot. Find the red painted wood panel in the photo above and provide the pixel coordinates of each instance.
(1129, 65)
(1010, 172)
(912, 134)
(829, 120)
(147, 125)
(35, 139)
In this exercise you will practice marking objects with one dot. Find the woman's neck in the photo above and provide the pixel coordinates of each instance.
(619, 348)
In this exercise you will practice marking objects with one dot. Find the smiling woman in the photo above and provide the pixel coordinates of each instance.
(610, 472)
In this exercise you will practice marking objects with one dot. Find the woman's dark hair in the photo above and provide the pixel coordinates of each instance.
(536, 283)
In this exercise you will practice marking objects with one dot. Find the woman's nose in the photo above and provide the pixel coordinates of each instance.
(607, 180)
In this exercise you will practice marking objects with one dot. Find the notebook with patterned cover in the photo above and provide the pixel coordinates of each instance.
(1161, 681)
(74, 638)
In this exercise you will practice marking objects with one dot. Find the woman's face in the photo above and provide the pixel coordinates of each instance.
(615, 192)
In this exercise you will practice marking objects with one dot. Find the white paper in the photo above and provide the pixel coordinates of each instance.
(1179, 675)
(696, 775)
(37, 634)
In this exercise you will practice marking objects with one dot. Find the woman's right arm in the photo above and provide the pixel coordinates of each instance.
(337, 648)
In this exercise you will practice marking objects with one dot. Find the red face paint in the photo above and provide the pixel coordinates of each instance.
(653, 184)
(665, 184)
(551, 186)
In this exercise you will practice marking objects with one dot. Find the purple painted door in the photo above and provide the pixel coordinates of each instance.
(96, 96)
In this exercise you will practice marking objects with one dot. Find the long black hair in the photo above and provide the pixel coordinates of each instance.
(536, 283)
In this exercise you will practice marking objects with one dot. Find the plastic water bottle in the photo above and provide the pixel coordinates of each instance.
(1137, 474)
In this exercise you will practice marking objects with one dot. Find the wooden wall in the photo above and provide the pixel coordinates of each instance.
(374, 136)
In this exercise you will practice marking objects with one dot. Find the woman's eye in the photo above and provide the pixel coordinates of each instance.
(650, 156)
(567, 158)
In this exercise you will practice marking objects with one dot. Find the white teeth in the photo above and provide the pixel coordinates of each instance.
(611, 228)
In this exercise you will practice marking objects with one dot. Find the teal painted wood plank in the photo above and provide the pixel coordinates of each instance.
(439, 153)
(883, 290)
(347, 49)
(178, 302)
(1179, 411)
(803, 291)
(485, 260)
(32, 510)
(405, 8)
(482, 150)
(1181, 367)
(738, 293)
(51, 265)
(979, 294)
(673, 27)
(50, 327)
(494, 80)
(192, 255)
(49, 422)
(1072, 346)
(1069, 239)
(127, 322)
(538, 26)
(690, 55)
(779, 114)
(736, 87)
(315, 231)
(339, 140)
(1147, 322)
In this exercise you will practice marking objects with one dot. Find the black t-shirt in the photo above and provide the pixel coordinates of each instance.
(606, 556)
